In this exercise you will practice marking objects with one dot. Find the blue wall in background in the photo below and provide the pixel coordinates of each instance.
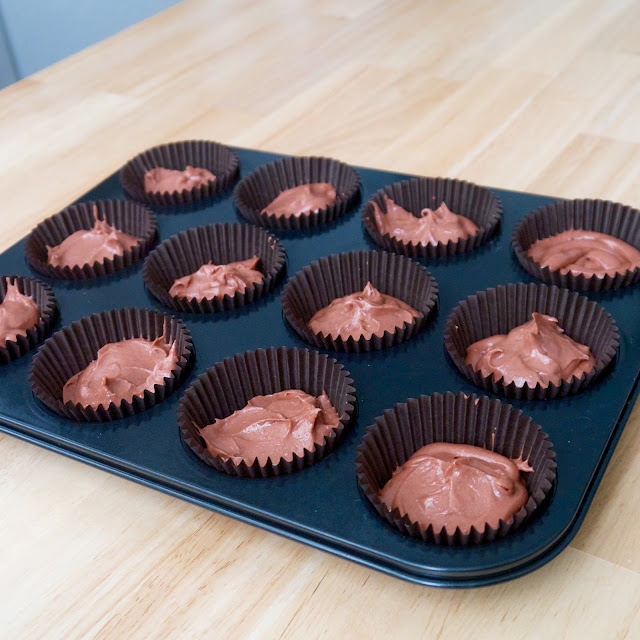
(38, 33)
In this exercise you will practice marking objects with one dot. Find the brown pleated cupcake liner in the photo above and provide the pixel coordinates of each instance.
(187, 251)
(71, 349)
(464, 198)
(47, 307)
(229, 385)
(319, 283)
(201, 154)
(254, 192)
(612, 218)
(129, 217)
(500, 309)
(460, 419)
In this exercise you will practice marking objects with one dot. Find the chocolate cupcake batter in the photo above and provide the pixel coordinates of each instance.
(161, 180)
(18, 314)
(272, 427)
(218, 280)
(537, 352)
(430, 227)
(457, 486)
(301, 200)
(121, 371)
(87, 246)
(585, 252)
(363, 313)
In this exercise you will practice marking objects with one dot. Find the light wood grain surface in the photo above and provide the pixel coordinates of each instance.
(541, 96)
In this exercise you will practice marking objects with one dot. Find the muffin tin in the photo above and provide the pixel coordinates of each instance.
(322, 505)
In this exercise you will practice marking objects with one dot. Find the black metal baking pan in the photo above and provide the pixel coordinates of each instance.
(322, 506)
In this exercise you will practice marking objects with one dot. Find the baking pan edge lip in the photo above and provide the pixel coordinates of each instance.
(425, 575)
(355, 551)
(429, 576)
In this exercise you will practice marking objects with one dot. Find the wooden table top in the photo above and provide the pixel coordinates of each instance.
(538, 96)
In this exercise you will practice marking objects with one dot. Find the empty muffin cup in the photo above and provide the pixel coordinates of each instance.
(315, 286)
(127, 217)
(459, 419)
(229, 385)
(498, 310)
(47, 309)
(260, 188)
(476, 203)
(216, 158)
(72, 348)
(610, 218)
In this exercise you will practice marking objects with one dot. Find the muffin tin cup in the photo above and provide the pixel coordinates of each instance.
(187, 251)
(316, 285)
(202, 154)
(229, 385)
(500, 309)
(614, 219)
(129, 217)
(479, 421)
(464, 198)
(257, 190)
(71, 349)
(47, 307)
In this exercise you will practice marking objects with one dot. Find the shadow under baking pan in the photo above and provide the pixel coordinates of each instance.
(321, 506)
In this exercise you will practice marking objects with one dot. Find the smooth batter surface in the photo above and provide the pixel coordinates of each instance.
(430, 227)
(272, 427)
(18, 314)
(301, 200)
(121, 371)
(537, 352)
(456, 486)
(87, 246)
(218, 280)
(161, 180)
(585, 252)
(363, 313)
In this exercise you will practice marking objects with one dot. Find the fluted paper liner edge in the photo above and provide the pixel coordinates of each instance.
(73, 347)
(185, 252)
(463, 198)
(258, 189)
(499, 309)
(201, 154)
(491, 424)
(314, 287)
(229, 385)
(612, 218)
(47, 307)
(130, 217)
